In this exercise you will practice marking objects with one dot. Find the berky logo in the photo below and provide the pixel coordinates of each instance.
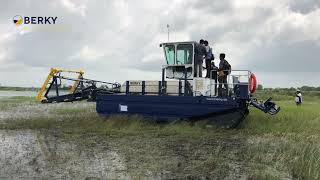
(18, 20)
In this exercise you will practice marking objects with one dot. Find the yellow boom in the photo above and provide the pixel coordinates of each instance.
(54, 71)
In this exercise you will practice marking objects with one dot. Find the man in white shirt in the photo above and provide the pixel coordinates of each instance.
(298, 98)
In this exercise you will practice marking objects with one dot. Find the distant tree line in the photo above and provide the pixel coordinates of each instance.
(303, 88)
(259, 87)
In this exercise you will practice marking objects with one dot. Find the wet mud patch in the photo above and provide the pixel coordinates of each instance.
(175, 157)
(47, 154)
(29, 154)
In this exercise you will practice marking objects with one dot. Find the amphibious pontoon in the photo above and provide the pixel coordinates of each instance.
(179, 95)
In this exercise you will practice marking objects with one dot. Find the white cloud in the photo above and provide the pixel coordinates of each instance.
(88, 54)
(2, 56)
(74, 6)
(117, 39)
(151, 58)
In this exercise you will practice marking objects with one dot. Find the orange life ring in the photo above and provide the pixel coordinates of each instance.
(253, 83)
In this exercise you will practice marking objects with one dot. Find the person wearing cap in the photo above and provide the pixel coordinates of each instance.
(298, 98)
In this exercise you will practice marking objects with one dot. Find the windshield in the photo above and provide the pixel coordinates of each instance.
(184, 53)
(170, 52)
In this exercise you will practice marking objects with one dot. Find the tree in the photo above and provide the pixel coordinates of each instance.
(260, 87)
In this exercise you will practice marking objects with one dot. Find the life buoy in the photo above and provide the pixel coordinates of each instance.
(253, 83)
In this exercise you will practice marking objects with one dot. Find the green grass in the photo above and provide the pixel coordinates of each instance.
(17, 99)
(285, 95)
(68, 111)
(11, 102)
(291, 140)
(284, 145)
(304, 119)
(296, 155)
(10, 88)
(116, 126)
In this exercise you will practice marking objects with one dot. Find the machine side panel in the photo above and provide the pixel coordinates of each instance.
(163, 107)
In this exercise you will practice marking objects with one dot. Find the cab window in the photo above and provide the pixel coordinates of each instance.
(184, 54)
(170, 54)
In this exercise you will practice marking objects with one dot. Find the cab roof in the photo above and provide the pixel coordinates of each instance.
(179, 42)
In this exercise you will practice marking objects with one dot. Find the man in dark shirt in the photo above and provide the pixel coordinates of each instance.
(214, 75)
(223, 71)
(199, 54)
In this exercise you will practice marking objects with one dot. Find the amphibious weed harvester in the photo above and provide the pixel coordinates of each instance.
(179, 95)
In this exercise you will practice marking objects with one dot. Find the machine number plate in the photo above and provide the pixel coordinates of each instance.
(123, 108)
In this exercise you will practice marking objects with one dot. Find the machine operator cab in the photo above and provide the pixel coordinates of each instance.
(180, 65)
(179, 57)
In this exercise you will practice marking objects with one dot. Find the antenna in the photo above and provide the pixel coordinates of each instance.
(168, 27)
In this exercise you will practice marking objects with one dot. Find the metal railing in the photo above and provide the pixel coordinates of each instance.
(237, 79)
(234, 79)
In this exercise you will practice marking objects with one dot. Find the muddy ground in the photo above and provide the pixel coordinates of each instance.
(50, 154)
(43, 155)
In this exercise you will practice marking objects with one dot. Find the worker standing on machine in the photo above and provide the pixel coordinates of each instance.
(223, 72)
(199, 53)
(214, 76)
(209, 58)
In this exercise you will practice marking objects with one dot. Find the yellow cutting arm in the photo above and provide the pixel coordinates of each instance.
(54, 71)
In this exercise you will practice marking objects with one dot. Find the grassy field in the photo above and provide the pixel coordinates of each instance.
(285, 146)
(10, 88)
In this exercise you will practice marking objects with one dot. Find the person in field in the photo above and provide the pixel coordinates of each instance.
(298, 98)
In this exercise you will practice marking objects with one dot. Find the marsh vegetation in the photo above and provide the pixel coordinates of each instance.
(69, 140)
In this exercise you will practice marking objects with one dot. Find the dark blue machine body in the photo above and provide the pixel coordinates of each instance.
(167, 108)
(193, 97)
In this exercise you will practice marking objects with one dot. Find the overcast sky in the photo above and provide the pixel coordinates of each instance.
(116, 40)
